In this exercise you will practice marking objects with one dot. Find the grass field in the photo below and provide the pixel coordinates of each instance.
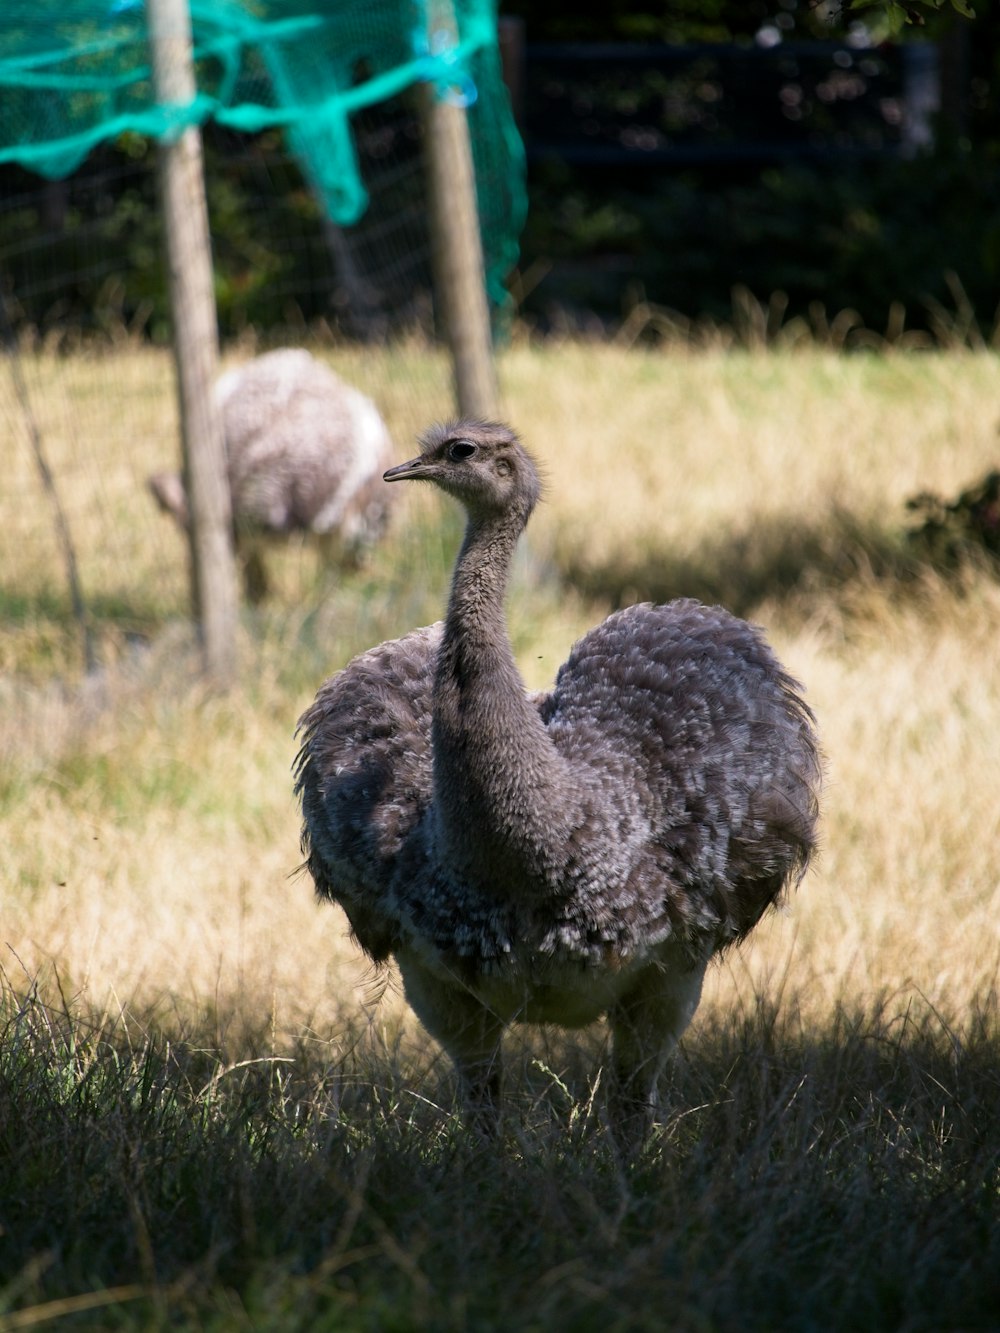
(213, 1117)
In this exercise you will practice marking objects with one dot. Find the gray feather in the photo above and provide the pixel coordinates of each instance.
(559, 855)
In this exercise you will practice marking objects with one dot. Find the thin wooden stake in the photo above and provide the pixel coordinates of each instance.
(196, 345)
(460, 284)
(63, 534)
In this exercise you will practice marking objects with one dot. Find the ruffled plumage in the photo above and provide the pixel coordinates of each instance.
(699, 743)
(558, 856)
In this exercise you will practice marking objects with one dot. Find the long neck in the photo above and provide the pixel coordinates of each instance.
(494, 766)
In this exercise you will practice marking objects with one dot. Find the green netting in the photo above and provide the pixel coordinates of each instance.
(75, 73)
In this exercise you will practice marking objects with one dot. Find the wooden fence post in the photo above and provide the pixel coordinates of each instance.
(459, 280)
(196, 344)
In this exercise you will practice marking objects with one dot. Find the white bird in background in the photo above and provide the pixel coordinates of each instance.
(305, 453)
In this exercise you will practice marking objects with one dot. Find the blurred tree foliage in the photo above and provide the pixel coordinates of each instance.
(871, 237)
(86, 254)
(680, 21)
(873, 233)
(674, 21)
(870, 233)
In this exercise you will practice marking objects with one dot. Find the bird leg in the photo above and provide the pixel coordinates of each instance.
(335, 550)
(647, 1022)
(255, 581)
(470, 1034)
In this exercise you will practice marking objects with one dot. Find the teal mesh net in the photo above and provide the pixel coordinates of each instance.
(76, 73)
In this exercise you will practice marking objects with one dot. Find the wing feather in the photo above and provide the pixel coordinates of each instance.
(702, 734)
(364, 776)
(681, 717)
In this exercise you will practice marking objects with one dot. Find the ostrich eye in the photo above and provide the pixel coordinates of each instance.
(459, 450)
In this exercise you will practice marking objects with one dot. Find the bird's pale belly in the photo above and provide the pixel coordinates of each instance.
(553, 991)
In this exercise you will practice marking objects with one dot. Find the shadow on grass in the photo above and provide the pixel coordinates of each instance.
(774, 560)
(335, 614)
(841, 1179)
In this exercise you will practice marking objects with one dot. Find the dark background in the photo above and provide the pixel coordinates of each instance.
(779, 169)
(672, 158)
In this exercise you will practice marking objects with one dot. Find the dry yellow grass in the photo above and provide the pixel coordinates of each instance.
(148, 834)
(107, 419)
(679, 445)
(906, 895)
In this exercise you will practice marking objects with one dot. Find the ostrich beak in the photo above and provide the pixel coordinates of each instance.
(413, 470)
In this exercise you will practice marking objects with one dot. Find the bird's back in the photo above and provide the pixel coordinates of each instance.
(679, 716)
(301, 443)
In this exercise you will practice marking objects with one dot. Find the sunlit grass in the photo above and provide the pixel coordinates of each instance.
(836, 1083)
(650, 459)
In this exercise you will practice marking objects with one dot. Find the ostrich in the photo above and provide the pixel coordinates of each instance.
(558, 857)
(304, 453)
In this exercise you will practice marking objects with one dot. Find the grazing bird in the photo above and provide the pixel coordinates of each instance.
(304, 453)
(558, 857)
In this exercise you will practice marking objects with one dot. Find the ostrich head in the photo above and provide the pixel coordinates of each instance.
(482, 464)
